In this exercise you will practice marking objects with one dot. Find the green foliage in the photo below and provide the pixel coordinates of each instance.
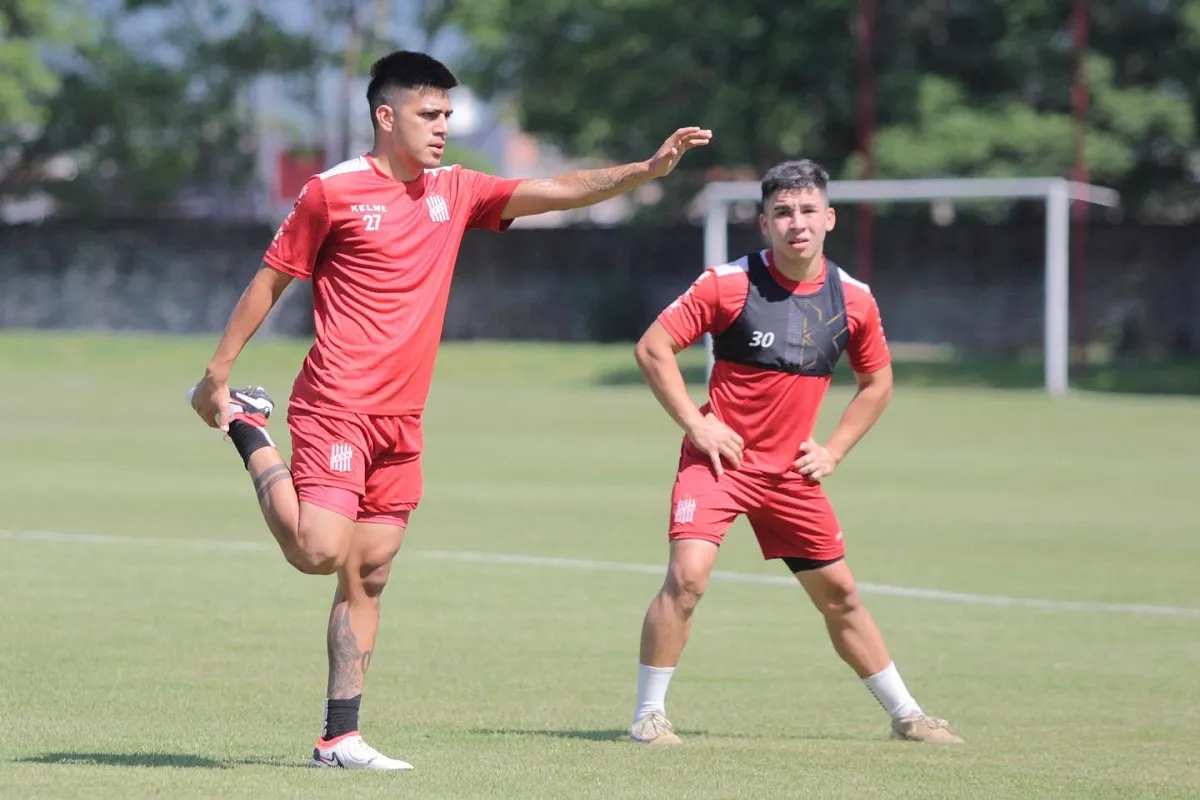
(142, 122)
(953, 136)
(964, 89)
(600, 78)
(30, 30)
(979, 88)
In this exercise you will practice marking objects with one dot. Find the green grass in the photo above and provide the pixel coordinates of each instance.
(184, 670)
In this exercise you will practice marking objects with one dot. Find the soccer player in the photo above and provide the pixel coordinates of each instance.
(378, 236)
(780, 320)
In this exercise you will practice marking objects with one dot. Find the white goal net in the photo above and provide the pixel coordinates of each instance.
(717, 199)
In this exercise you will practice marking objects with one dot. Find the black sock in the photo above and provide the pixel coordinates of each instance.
(341, 717)
(248, 438)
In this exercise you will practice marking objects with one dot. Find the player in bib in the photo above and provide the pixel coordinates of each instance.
(780, 320)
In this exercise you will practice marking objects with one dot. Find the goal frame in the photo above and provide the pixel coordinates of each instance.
(1056, 193)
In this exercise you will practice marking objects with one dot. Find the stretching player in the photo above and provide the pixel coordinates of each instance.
(780, 320)
(378, 237)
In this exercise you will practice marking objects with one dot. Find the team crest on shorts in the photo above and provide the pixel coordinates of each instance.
(685, 510)
(341, 456)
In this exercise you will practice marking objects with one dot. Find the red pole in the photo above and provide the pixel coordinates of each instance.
(1079, 107)
(865, 33)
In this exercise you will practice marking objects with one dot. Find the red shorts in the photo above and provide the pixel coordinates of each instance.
(357, 465)
(790, 516)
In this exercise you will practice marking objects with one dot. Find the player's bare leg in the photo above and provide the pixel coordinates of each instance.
(314, 540)
(857, 639)
(353, 624)
(665, 631)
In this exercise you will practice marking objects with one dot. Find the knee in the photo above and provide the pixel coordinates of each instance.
(684, 590)
(839, 600)
(314, 561)
(374, 578)
(315, 554)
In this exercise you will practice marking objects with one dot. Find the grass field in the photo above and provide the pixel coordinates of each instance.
(156, 645)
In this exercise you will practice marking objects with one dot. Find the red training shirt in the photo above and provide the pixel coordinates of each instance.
(380, 254)
(773, 412)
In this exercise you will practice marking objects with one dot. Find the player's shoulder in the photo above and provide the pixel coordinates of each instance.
(347, 171)
(852, 286)
(860, 302)
(348, 176)
(731, 271)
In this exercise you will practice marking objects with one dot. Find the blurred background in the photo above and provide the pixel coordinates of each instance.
(1033, 560)
(148, 150)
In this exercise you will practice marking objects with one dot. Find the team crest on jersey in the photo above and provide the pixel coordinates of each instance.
(439, 210)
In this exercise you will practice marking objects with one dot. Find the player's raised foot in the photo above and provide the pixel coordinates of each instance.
(351, 752)
(654, 729)
(252, 405)
(921, 728)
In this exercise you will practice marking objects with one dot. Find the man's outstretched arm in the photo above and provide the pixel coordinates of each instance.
(591, 186)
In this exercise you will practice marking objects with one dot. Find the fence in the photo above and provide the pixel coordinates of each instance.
(973, 286)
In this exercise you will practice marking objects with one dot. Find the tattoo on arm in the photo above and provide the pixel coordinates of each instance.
(347, 663)
(607, 180)
(268, 478)
(592, 181)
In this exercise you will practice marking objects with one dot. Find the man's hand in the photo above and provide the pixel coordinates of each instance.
(210, 399)
(815, 461)
(590, 186)
(718, 440)
(674, 147)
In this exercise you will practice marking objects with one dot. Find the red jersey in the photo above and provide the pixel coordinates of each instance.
(380, 254)
(773, 411)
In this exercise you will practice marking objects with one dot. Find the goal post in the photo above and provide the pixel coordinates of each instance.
(1056, 193)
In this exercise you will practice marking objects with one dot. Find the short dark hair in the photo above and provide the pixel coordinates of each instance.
(804, 174)
(406, 69)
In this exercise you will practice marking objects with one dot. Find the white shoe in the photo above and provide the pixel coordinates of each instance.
(351, 752)
(653, 729)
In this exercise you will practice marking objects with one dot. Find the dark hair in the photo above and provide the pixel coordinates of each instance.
(803, 174)
(406, 69)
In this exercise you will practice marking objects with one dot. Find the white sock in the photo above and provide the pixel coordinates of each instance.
(652, 689)
(889, 689)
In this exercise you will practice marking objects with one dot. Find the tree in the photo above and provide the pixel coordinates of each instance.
(965, 88)
(141, 123)
(599, 79)
(30, 32)
(992, 95)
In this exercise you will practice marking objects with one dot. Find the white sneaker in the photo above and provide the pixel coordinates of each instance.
(351, 752)
(653, 729)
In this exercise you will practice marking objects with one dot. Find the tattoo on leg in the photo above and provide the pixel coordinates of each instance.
(268, 478)
(347, 663)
